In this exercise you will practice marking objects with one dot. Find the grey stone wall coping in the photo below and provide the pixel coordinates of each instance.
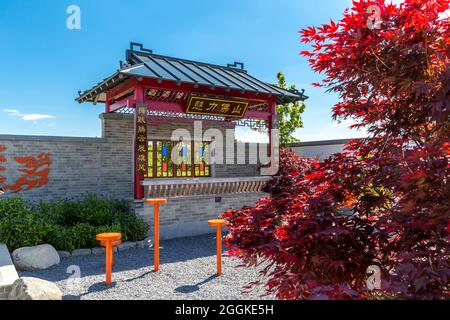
(14, 137)
(115, 116)
(321, 142)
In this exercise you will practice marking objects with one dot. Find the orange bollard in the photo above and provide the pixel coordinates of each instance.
(113, 244)
(155, 203)
(109, 240)
(218, 223)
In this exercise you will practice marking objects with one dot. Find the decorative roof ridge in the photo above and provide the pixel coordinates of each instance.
(236, 66)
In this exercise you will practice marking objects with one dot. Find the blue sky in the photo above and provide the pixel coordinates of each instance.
(44, 64)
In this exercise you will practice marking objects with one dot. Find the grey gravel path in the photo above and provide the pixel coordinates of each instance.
(187, 271)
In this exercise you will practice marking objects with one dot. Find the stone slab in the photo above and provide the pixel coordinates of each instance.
(81, 252)
(8, 273)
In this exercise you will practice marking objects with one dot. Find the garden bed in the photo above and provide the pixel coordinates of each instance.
(67, 225)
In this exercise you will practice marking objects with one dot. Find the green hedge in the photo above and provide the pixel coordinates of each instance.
(67, 224)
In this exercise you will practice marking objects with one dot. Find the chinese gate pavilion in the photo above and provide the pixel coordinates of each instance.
(162, 94)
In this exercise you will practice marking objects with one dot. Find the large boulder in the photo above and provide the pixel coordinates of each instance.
(35, 258)
(27, 288)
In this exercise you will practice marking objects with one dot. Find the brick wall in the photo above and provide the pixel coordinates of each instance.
(79, 165)
(104, 166)
(188, 216)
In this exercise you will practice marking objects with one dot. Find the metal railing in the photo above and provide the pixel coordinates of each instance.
(203, 186)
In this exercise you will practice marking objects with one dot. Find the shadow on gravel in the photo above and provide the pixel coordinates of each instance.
(139, 277)
(96, 287)
(195, 287)
(171, 251)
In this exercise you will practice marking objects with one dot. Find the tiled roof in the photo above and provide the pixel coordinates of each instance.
(144, 63)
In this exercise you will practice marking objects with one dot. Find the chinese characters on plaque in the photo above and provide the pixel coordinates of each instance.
(141, 143)
(217, 106)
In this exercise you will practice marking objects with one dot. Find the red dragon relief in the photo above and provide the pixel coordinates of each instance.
(34, 174)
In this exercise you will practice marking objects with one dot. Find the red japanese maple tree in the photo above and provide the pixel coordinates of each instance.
(392, 74)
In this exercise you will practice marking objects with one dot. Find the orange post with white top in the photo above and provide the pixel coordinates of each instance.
(156, 203)
(218, 223)
(109, 240)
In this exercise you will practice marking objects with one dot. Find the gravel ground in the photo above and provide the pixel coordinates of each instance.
(187, 271)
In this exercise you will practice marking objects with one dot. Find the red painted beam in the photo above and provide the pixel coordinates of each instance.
(145, 83)
(204, 89)
(260, 115)
(199, 89)
(165, 106)
(176, 108)
(179, 108)
(125, 102)
(120, 89)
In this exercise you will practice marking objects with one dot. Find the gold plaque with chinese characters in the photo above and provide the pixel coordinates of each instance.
(217, 106)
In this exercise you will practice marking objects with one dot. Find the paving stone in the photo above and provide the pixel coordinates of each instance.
(98, 250)
(64, 254)
(127, 245)
(81, 252)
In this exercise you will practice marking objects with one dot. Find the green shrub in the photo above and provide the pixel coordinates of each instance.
(67, 224)
(96, 211)
(10, 206)
(61, 212)
(132, 228)
(91, 209)
(78, 236)
(25, 228)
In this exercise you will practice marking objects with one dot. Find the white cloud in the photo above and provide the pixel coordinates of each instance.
(245, 134)
(36, 116)
(13, 112)
(28, 116)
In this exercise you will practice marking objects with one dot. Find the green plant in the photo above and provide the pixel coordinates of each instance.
(25, 228)
(132, 227)
(97, 211)
(61, 212)
(10, 206)
(81, 235)
(67, 224)
(290, 114)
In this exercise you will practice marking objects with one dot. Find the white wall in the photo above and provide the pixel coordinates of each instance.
(319, 149)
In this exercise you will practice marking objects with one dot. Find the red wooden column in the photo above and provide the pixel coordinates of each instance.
(138, 178)
(273, 124)
(273, 118)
